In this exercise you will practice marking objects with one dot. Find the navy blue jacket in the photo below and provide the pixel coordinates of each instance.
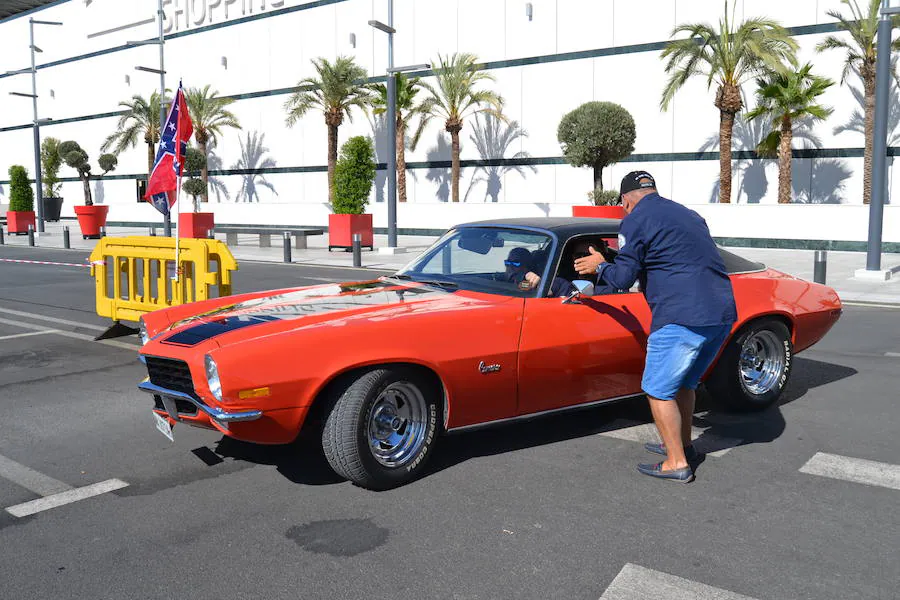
(668, 246)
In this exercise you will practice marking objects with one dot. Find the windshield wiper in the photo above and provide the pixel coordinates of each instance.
(433, 282)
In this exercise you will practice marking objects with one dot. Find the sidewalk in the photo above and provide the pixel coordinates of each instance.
(841, 265)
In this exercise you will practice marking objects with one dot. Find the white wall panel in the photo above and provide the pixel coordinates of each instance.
(483, 29)
(544, 105)
(642, 22)
(584, 25)
(530, 38)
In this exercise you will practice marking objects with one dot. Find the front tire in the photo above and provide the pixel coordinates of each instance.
(382, 426)
(754, 367)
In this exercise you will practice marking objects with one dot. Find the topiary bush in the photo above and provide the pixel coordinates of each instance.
(353, 176)
(194, 161)
(74, 156)
(596, 134)
(50, 164)
(600, 197)
(21, 196)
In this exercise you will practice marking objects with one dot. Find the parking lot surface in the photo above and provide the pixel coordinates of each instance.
(799, 501)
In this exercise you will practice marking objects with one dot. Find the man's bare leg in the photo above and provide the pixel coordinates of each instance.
(686, 399)
(667, 416)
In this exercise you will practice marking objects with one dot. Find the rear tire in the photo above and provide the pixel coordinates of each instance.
(382, 426)
(754, 367)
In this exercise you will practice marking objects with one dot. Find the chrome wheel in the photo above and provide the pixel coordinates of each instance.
(762, 362)
(397, 424)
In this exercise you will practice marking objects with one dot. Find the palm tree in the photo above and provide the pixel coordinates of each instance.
(338, 88)
(208, 113)
(728, 56)
(140, 121)
(860, 58)
(253, 160)
(782, 98)
(407, 111)
(454, 98)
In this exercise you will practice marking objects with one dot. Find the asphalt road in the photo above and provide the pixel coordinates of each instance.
(548, 509)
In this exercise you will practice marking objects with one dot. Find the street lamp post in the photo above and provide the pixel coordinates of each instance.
(161, 42)
(879, 146)
(391, 118)
(36, 124)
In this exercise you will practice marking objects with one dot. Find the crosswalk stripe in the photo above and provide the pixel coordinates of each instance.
(73, 495)
(711, 445)
(857, 470)
(37, 317)
(71, 334)
(639, 583)
(29, 334)
(30, 479)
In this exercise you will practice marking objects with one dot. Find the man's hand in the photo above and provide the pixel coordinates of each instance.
(588, 264)
(531, 280)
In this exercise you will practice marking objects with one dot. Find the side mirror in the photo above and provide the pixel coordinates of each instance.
(583, 289)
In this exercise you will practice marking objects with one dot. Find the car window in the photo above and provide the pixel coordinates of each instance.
(487, 259)
(566, 266)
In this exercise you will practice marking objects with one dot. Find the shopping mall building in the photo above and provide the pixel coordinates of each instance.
(547, 58)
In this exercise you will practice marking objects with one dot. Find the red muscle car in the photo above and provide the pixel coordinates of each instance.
(467, 335)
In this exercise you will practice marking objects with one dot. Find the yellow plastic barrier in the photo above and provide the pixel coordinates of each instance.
(133, 275)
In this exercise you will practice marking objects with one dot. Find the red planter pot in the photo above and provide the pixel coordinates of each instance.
(599, 212)
(18, 221)
(342, 227)
(195, 225)
(91, 219)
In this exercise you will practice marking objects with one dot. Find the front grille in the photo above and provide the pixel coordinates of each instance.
(170, 374)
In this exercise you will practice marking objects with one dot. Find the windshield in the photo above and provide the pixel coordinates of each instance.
(493, 260)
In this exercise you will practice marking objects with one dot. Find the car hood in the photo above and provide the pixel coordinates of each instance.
(314, 305)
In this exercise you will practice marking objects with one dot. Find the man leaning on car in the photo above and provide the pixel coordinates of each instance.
(668, 247)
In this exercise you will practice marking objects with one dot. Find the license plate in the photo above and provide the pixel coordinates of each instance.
(164, 427)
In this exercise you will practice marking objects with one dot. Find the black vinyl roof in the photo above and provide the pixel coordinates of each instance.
(10, 8)
(563, 227)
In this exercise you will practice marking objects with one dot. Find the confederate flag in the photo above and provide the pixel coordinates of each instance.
(163, 185)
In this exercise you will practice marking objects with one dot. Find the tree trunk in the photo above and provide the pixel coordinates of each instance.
(151, 158)
(598, 177)
(332, 160)
(86, 183)
(401, 160)
(454, 163)
(204, 170)
(784, 161)
(869, 87)
(726, 125)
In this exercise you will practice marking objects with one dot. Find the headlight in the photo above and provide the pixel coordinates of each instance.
(145, 337)
(212, 378)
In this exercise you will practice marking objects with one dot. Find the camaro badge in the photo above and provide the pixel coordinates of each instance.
(487, 368)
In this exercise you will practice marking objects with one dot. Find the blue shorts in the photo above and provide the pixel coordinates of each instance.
(678, 356)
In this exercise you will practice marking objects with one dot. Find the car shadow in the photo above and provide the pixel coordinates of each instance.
(721, 430)
(303, 461)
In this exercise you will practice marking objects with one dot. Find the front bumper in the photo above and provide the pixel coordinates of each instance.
(217, 414)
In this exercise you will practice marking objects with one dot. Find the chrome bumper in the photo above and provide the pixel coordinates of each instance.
(217, 414)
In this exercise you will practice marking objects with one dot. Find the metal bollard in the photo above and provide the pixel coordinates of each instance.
(31, 235)
(210, 234)
(66, 237)
(152, 231)
(357, 250)
(2, 241)
(819, 266)
(286, 243)
(103, 232)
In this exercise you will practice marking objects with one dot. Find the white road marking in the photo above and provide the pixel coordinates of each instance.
(870, 305)
(639, 583)
(29, 334)
(892, 354)
(857, 470)
(712, 445)
(67, 497)
(37, 317)
(42, 262)
(30, 479)
(71, 334)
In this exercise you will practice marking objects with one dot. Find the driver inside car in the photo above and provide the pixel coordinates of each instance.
(562, 286)
(519, 269)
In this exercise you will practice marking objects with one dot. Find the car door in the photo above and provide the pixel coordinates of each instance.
(581, 352)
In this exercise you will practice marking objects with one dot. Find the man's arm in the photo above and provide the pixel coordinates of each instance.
(629, 262)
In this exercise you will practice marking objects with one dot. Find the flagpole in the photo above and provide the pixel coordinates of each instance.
(177, 277)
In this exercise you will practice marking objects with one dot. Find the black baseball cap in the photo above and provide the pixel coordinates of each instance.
(636, 180)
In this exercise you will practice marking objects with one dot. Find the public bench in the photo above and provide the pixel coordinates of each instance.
(265, 233)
